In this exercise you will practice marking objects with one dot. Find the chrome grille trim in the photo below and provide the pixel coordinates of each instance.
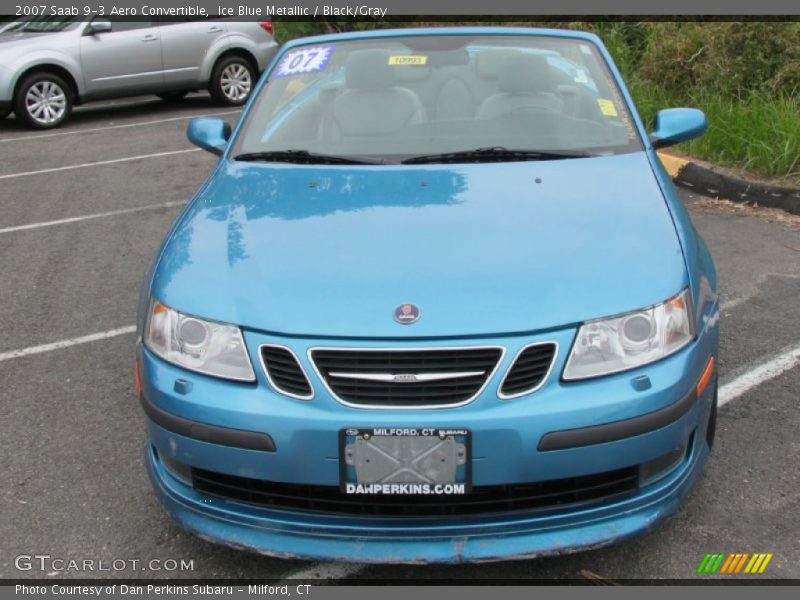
(272, 383)
(340, 400)
(405, 378)
(513, 363)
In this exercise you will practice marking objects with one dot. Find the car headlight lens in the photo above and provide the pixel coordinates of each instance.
(631, 340)
(204, 346)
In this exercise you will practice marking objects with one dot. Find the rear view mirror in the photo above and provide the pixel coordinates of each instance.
(98, 26)
(210, 134)
(675, 125)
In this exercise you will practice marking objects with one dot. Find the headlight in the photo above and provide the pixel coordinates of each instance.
(628, 341)
(204, 346)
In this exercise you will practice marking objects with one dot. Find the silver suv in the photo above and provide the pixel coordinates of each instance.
(49, 65)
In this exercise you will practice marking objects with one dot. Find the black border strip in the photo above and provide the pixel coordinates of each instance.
(213, 434)
(412, 581)
(618, 430)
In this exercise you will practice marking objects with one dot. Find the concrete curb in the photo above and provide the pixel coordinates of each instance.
(713, 181)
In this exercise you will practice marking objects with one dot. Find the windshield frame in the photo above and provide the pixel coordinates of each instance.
(638, 141)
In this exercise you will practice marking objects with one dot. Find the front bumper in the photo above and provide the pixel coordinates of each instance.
(509, 447)
(287, 535)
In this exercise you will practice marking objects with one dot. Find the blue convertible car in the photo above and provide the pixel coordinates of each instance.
(437, 301)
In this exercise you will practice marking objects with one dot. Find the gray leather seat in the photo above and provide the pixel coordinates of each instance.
(525, 82)
(372, 104)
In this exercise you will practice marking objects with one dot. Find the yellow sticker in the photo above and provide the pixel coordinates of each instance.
(607, 107)
(408, 60)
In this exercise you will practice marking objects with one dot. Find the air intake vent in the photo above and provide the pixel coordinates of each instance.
(400, 378)
(284, 372)
(529, 370)
(558, 494)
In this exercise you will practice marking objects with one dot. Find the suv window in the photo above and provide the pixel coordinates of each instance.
(118, 26)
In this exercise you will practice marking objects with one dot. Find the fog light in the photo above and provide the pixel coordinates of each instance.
(663, 465)
(177, 469)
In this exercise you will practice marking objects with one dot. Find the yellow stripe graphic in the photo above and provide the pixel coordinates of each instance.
(758, 563)
(755, 563)
(765, 563)
(751, 563)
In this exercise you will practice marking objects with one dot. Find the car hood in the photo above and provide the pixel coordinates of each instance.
(16, 40)
(480, 249)
(16, 44)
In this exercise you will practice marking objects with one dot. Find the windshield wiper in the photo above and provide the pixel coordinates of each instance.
(304, 157)
(494, 154)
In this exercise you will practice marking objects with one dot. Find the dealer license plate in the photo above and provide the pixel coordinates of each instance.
(422, 461)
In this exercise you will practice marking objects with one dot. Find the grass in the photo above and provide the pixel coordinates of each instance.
(754, 133)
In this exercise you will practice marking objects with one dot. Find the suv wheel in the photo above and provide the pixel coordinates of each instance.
(232, 81)
(43, 101)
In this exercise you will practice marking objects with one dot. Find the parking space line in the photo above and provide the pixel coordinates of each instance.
(122, 126)
(785, 360)
(98, 163)
(111, 213)
(94, 337)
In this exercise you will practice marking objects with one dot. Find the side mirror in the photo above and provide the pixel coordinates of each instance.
(675, 125)
(209, 133)
(98, 26)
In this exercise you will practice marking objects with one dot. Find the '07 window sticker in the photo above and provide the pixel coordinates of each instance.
(301, 61)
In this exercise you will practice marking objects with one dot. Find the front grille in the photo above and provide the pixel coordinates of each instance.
(495, 499)
(429, 377)
(529, 370)
(285, 373)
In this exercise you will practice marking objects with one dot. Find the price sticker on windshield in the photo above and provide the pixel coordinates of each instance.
(408, 59)
(304, 60)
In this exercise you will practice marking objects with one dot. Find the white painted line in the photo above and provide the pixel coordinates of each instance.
(332, 570)
(785, 360)
(94, 337)
(111, 213)
(98, 163)
(122, 126)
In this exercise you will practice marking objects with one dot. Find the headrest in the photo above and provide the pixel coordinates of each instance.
(409, 73)
(369, 70)
(526, 73)
(488, 62)
(450, 58)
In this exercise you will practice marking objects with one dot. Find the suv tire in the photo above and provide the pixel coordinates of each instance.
(43, 101)
(232, 81)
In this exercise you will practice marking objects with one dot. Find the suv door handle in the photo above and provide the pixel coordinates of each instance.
(150, 37)
(214, 29)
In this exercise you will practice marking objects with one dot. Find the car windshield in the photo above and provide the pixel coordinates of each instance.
(39, 25)
(453, 98)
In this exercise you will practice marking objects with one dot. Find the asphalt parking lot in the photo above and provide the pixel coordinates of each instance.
(83, 209)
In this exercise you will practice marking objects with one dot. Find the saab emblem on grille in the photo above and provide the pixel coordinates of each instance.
(406, 314)
(405, 378)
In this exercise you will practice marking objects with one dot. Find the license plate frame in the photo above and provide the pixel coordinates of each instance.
(455, 443)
